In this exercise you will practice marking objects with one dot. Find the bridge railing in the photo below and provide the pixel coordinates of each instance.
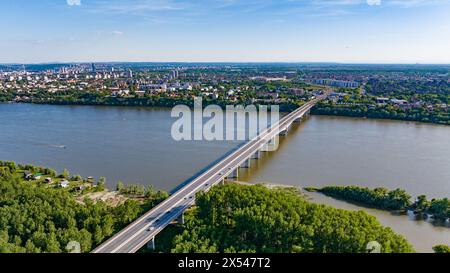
(267, 134)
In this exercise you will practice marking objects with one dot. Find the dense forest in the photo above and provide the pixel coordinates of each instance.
(439, 208)
(36, 219)
(231, 218)
(6, 96)
(382, 198)
(443, 249)
(235, 218)
(379, 197)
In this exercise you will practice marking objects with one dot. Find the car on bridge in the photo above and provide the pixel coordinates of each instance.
(130, 239)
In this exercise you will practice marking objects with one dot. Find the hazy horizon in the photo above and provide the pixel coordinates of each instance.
(227, 62)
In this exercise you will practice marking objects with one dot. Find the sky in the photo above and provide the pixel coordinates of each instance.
(347, 31)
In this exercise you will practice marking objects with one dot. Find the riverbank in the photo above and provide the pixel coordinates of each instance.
(412, 226)
(398, 202)
(80, 188)
(148, 101)
(434, 116)
(134, 145)
(272, 219)
(384, 199)
(43, 211)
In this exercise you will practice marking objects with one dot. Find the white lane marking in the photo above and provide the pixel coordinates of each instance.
(203, 183)
(257, 139)
(188, 204)
(207, 180)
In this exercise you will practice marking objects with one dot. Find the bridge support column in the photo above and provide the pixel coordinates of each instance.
(180, 219)
(256, 155)
(289, 127)
(246, 164)
(271, 146)
(284, 131)
(151, 244)
(265, 148)
(234, 174)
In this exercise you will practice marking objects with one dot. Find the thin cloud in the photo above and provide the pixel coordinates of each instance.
(73, 2)
(416, 3)
(196, 9)
(349, 3)
(139, 6)
(374, 2)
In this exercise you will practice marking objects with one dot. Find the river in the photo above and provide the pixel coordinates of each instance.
(374, 153)
(134, 145)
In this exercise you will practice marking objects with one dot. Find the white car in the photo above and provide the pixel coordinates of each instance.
(151, 229)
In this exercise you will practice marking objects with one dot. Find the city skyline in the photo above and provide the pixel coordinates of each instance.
(342, 31)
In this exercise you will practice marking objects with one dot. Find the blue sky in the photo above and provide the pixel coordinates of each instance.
(356, 31)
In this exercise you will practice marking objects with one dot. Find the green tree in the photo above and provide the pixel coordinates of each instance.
(40, 219)
(119, 186)
(77, 178)
(441, 249)
(422, 203)
(150, 191)
(255, 219)
(101, 185)
(65, 174)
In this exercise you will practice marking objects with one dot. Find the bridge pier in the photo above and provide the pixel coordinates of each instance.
(256, 155)
(246, 164)
(234, 174)
(151, 244)
(122, 241)
(180, 219)
(271, 145)
(284, 131)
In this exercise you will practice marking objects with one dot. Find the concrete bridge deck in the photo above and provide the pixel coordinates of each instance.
(143, 230)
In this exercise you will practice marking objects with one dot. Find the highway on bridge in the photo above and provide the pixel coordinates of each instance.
(146, 227)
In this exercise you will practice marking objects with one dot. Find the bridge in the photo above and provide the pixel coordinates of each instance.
(143, 230)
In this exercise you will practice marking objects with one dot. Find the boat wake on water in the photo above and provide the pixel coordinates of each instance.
(58, 146)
